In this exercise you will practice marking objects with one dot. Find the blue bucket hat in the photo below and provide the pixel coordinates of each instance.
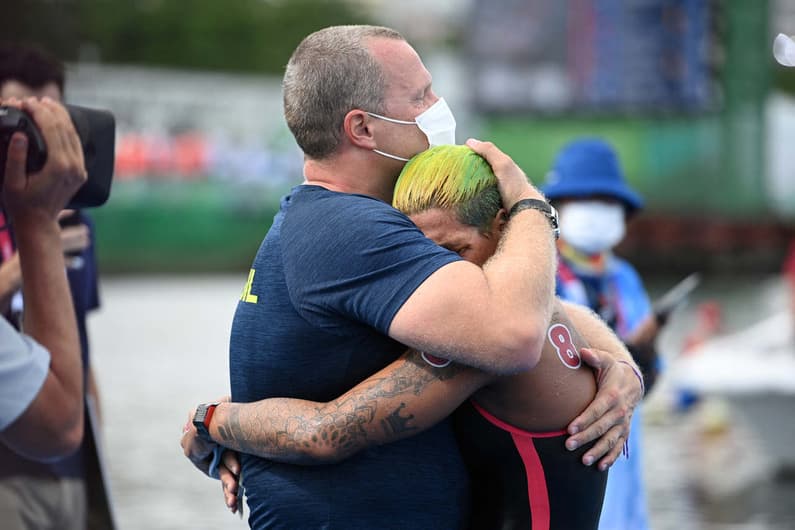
(588, 167)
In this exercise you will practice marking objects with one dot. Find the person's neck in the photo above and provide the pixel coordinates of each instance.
(350, 175)
(594, 263)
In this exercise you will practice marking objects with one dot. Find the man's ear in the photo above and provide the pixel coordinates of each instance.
(357, 127)
(498, 223)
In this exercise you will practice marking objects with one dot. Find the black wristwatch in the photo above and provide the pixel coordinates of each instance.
(201, 420)
(542, 206)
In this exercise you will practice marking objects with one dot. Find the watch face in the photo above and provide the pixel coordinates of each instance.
(201, 413)
(200, 419)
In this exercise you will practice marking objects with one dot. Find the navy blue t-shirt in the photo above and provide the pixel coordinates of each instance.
(312, 323)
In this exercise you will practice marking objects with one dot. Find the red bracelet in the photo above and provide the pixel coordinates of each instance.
(639, 376)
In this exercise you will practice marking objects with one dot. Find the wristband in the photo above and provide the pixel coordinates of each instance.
(215, 462)
(542, 206)
(635, 371)
(639, 376)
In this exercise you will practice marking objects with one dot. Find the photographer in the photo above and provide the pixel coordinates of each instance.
(62, 490)
(41, 407)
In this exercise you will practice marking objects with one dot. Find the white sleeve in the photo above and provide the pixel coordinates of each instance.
(24, 365)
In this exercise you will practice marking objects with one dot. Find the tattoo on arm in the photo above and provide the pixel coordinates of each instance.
(222, 432)
(303, 432)
(397, 424)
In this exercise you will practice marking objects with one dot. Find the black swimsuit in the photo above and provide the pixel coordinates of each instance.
(526, 480)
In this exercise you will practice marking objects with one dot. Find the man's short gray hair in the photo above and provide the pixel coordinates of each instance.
(330, 73)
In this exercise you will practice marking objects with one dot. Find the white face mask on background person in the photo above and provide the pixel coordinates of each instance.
(592, 226)
(436, 122)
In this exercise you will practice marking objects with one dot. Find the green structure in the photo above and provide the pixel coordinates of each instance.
(698, 153)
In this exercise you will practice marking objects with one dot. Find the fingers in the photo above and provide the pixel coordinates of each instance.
(500, 162)
(193, 447)
(596, 359)
(487, 150)
(511, 180)
(607, 419)
(74, 238)
(606, 451)
(11, 102)
(64, 151)
(229, 486)
(609, 430)
(186, 441)
(596, 419)
(231, 460)
(17, 155)
(229, 480)
(42, 195)
(15, 164)
(65, 213)
(599, 360)
(47, 123)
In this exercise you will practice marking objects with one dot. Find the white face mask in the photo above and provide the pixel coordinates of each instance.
(784, 50)
(437, 122)
(592, 226)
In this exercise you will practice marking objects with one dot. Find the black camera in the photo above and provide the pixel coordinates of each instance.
(97, 131)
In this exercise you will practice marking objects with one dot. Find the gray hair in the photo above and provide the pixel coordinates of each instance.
(330, 73)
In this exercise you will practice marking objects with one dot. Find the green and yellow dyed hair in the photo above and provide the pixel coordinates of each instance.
(449, 177)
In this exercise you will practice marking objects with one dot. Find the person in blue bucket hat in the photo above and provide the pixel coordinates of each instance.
(594, 201)
(588, 168)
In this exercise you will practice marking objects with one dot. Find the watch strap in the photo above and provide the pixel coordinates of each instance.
(201, 419)
(544, 207)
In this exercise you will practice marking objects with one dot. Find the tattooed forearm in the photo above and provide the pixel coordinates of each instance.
(397, 424)
(401, 400)
(224, 435)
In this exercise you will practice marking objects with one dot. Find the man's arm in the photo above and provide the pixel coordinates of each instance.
(492, 318)
(403, 399)
(53, 423)
(619, 390)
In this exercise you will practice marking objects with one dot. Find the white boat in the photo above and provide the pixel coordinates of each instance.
(754, 369)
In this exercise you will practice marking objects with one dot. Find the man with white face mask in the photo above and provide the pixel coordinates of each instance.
(587, 186)
(437, 123)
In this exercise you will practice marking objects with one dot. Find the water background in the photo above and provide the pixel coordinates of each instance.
(159, 347)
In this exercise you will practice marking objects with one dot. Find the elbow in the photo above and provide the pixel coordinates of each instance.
(50, 429)
(55, 442)
(66, 436)
(522, 347)
(61, 446)
(323, 455)
(72, 438)
(67, 439)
